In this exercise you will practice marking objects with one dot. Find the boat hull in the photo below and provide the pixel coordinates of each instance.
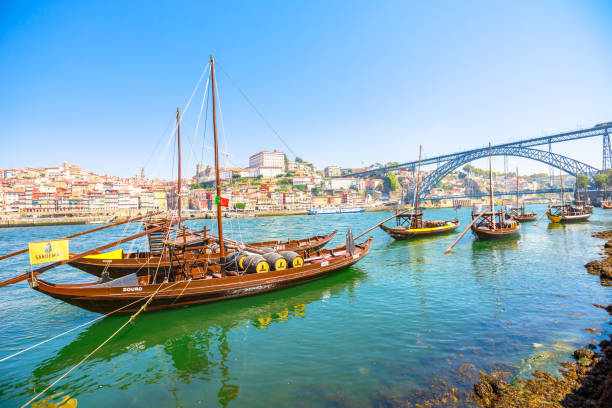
(489, 234)
(145, 264)
(567, 218)
(412, 233)
(126, 300)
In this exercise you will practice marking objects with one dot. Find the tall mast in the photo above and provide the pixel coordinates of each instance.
(517, 203)
(562, 195)
(491, 190)
(178, 140)
(416, 202)
(214, 109)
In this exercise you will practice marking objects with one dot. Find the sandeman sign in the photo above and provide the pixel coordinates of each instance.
(48, 251)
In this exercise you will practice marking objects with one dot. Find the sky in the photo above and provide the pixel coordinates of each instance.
(349, 83)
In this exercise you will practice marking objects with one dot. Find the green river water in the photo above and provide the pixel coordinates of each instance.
(394, 328)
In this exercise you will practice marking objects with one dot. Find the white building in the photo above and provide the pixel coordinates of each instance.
(268, 159)
(332, 171)
(345, 183)
(268, 171)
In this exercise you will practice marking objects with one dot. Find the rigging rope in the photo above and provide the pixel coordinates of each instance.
(131, 319)
(255, 108)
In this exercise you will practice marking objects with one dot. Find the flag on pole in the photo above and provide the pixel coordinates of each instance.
(222, 202)
(48, 251)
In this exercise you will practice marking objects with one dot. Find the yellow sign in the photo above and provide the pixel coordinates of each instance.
(48, 251)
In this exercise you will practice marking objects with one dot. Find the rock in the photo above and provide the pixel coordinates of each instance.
(606, 272)
(483, 389)
(583, 353)
(592, 346)
(608, 244)
(594, 267)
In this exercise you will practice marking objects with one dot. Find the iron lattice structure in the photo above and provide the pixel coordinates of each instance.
(607, 152)
(570, 166)
(599, 130)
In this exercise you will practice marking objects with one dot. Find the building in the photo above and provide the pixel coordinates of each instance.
(268, 159)
(346, 183)
(332, 171)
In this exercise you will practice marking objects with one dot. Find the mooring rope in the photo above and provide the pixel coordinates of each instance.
(131, 319)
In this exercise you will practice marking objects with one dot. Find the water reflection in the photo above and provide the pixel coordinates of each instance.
(194, 341)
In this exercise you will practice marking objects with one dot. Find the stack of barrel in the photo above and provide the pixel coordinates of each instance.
(268, 261)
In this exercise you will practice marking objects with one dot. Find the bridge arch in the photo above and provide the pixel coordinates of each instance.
(564, 163)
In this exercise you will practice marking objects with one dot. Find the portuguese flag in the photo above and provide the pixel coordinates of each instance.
(222, 202)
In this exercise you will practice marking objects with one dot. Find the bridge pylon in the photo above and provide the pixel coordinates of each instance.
(607, 152)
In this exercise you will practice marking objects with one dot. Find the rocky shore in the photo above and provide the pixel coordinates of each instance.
(584, 383)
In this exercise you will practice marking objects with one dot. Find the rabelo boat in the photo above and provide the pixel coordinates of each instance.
(187, 282)
(410, 225)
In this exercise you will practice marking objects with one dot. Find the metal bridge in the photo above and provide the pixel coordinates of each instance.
(523, 148)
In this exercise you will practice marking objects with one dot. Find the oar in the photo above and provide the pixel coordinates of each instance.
(541, 216)
(22, 251)
(468, 227)
(73, 258)
(380, 223)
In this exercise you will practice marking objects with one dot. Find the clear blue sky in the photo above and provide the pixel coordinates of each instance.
(344, 82)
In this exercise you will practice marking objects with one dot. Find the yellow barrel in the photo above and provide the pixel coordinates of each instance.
(277, 262)
(238, 258)
(294, 260)
(256, 264)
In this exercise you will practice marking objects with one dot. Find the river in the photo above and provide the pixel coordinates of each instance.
(404, 321)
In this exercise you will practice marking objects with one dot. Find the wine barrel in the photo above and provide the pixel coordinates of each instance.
(237, 258)
(294, 260)
(277, 262)
(256, 264)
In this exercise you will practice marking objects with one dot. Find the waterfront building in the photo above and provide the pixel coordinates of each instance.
(345, 183)
(332, 171)
(268, 159)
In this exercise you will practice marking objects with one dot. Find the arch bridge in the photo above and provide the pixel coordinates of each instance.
(522, 148)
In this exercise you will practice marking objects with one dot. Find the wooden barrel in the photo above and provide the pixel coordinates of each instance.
(294, 260)
(277, 262)
(256, 264)
(236, 258)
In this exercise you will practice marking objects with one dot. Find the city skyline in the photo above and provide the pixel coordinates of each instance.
(103, 95)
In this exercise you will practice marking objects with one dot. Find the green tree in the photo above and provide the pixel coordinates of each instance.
(582, 181)
(301, 187)
(601, 180)
(298, 159)
(392, 181)
(239, 206)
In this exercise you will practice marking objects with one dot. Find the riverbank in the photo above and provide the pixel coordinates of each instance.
(42, 222)
(585, 383)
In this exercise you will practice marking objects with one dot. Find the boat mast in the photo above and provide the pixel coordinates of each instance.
(214, 109)
(416, 201)
(517, 202)
(562, 195)
(491, 191)
(178, 188)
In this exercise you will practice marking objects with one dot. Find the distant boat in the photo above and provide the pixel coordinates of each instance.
(565, 213)
(335, 210)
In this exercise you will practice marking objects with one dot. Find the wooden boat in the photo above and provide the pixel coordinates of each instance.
(606, 204)
(195, 283)
(417, 227)
(411, 225)
(492, 224)
(189, 281)
(567, 213)
(518, 212)
(117, 263)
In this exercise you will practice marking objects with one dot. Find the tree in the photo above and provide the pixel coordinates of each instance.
(298, 159)
(582, 181)
(301, 187)
(286, 159)
(392, 181)
(239, 206)
(600, 180)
